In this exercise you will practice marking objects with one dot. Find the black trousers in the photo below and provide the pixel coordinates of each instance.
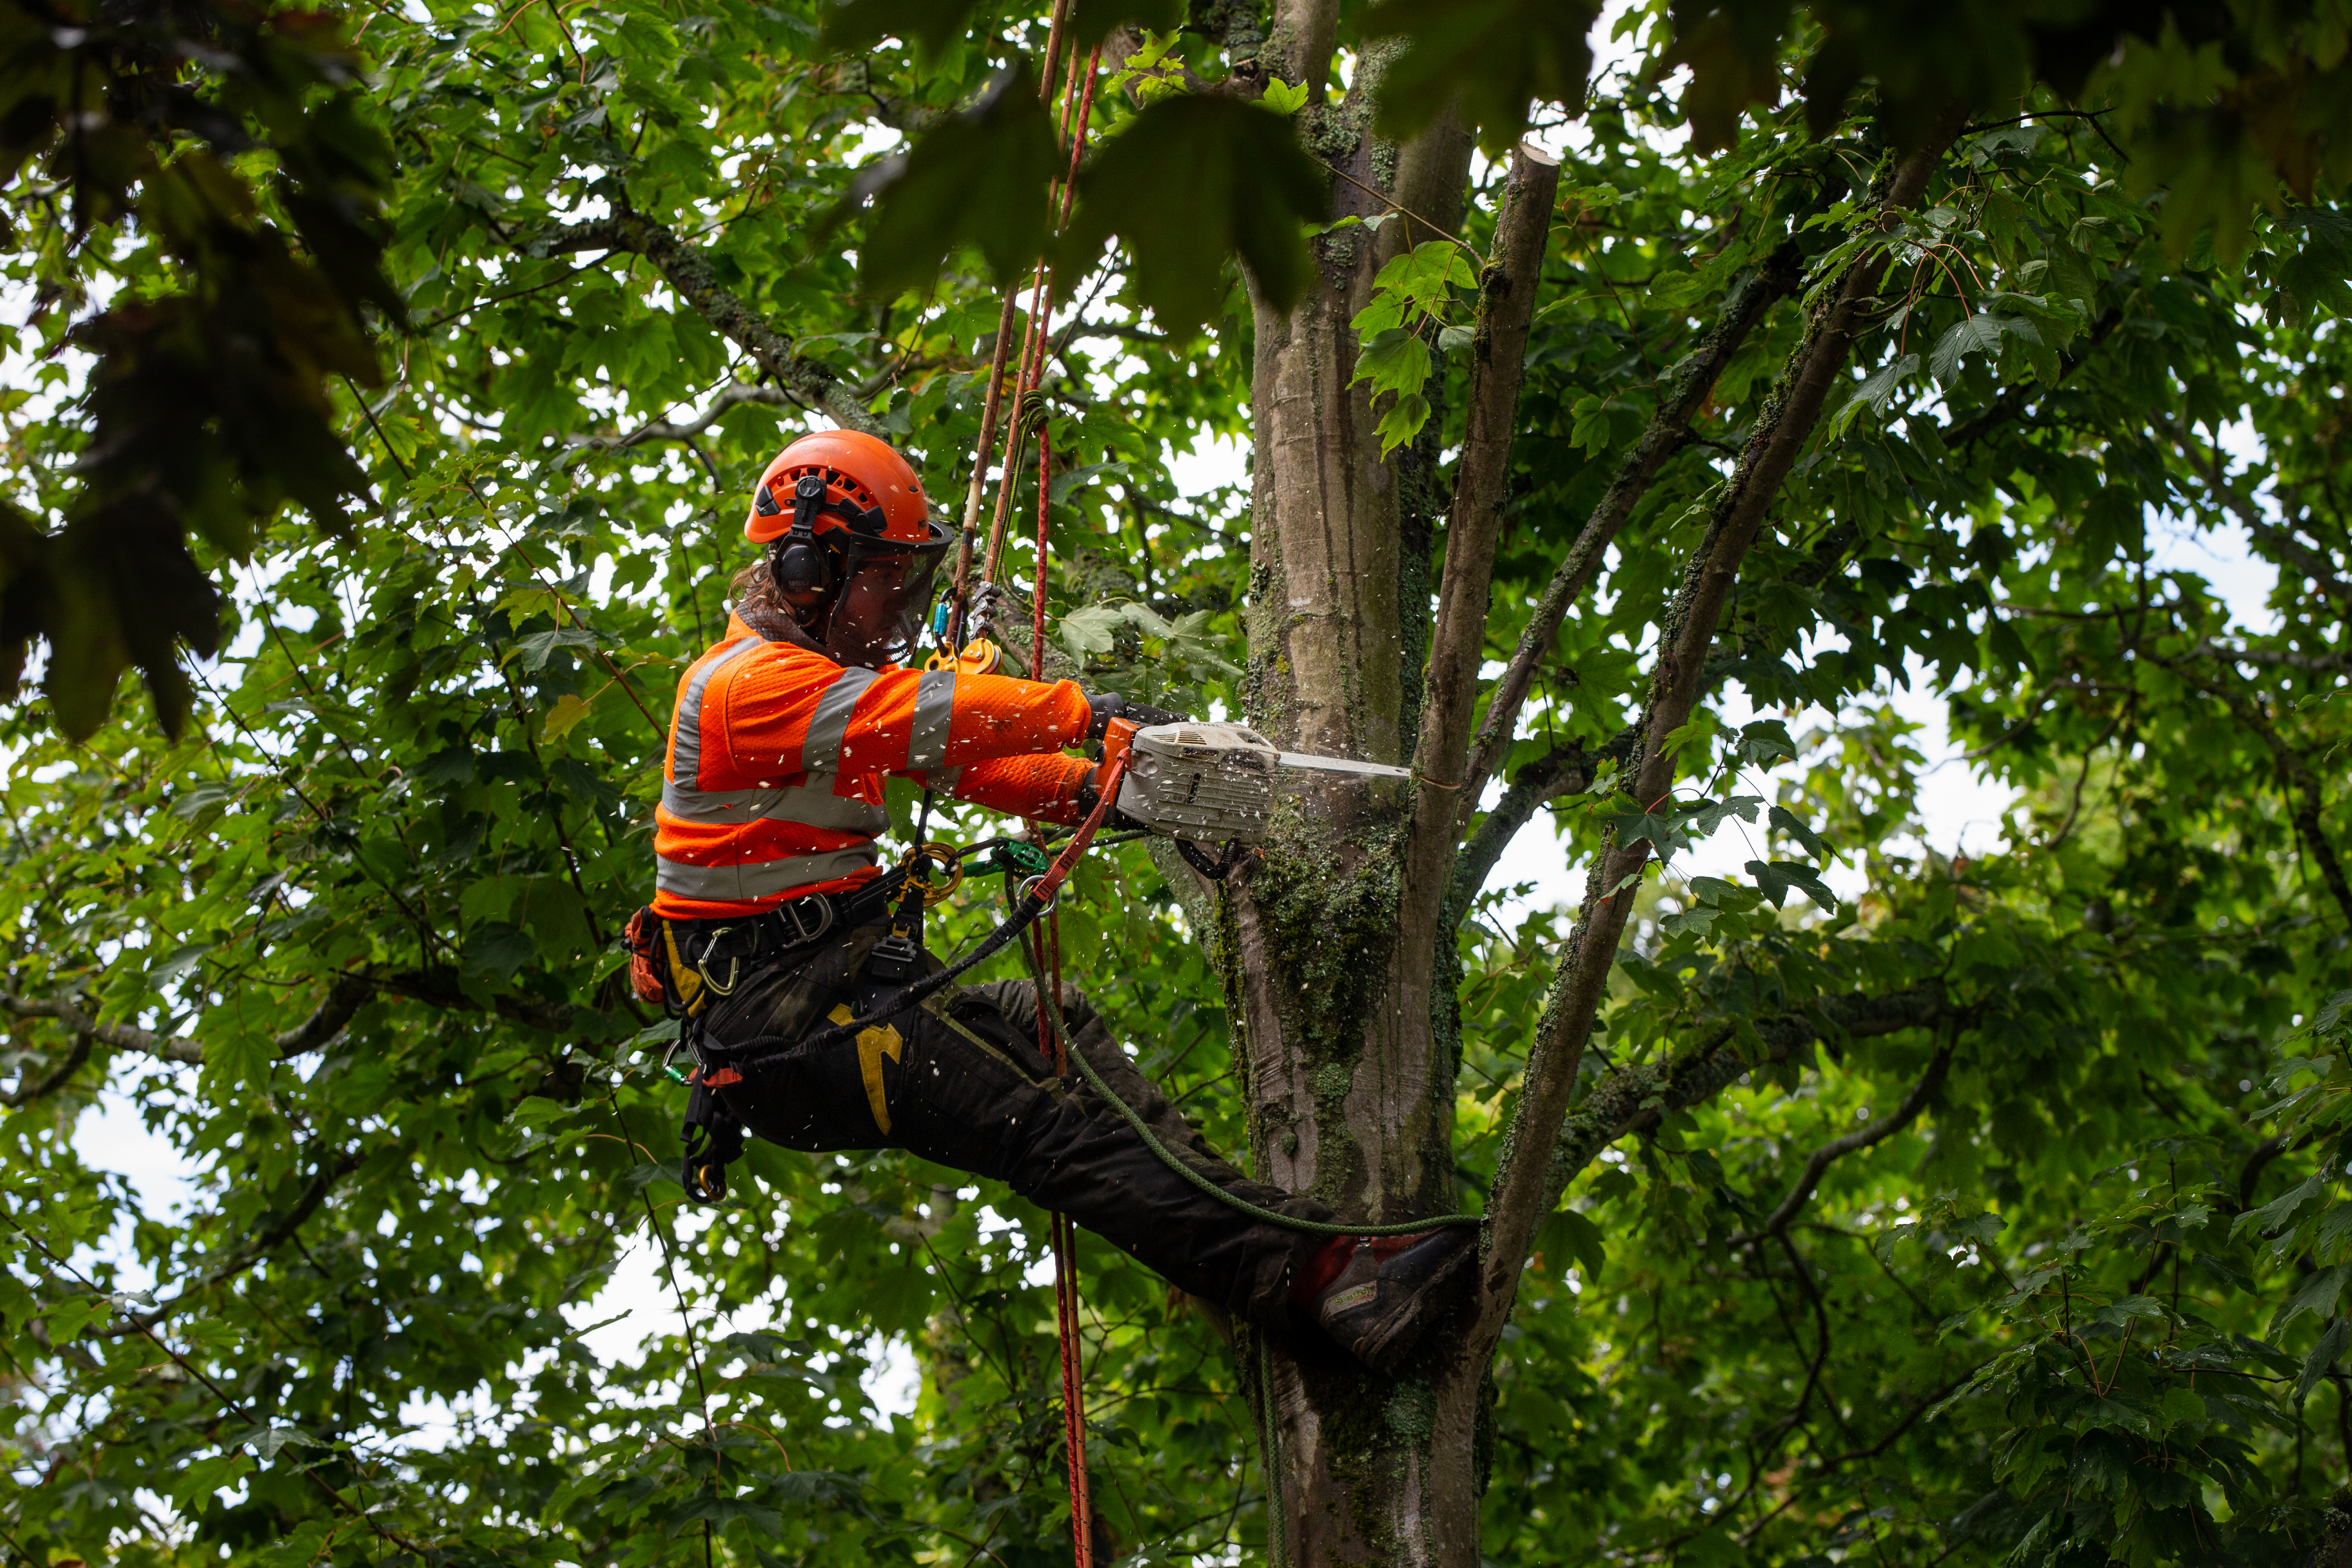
(960, 1081)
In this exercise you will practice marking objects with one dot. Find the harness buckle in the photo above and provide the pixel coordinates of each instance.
(794, 912)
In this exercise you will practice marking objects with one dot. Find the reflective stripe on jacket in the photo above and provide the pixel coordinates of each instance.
(777, 757)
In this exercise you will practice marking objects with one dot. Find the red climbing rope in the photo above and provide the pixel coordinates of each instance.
(1078, 114)
(1047, 936)
(1078, 106)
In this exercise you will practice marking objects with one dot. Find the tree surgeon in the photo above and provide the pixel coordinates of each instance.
(771, 903)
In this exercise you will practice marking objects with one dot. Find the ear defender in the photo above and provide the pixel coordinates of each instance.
(802, 567)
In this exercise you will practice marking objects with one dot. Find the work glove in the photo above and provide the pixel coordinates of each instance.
(1114, 820)
(1111, 705)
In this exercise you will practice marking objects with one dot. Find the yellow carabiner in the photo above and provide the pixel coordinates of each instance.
(943, 856)
(978, 657)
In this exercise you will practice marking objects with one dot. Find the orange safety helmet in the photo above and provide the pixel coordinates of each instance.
(870, 490)
(852, 548)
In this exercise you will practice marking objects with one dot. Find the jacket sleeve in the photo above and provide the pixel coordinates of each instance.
(1045, 786)
(801, 714)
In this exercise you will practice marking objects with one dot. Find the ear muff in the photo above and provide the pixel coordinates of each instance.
(802, 567)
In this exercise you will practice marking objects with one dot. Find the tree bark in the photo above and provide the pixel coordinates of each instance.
(1506, 309)
(1346, 1098)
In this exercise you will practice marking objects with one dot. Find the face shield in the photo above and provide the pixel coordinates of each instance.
(886, 591)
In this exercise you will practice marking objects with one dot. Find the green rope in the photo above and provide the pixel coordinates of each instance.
(1175, 1162)
(1278, 1546)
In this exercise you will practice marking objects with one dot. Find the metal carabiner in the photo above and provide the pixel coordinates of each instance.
(734, 966)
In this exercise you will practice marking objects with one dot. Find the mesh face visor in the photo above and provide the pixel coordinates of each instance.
(885, 592)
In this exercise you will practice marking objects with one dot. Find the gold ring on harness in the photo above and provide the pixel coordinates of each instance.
(944, 856)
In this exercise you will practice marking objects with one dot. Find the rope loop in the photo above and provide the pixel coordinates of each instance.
(1033, 413)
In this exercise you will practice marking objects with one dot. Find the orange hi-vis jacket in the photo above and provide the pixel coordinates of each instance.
(777, 757)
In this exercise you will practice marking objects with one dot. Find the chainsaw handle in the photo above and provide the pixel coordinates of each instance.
(1118, 736)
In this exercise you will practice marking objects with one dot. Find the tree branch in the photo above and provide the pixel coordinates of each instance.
(262, 1243)
(736, 393)
(350, 990)
(1636, 1098)
(1688, 387)
(688, 272)
(2278, 658)
(30, 1090)
(1525, 1189)
(1886, 1127)
(2298, 783)
(122, 1036)
(1565, 770)
(1482, 482)
(2310, 562)
(2251, 1173)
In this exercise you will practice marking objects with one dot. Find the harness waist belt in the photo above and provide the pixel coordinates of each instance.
(797, 923)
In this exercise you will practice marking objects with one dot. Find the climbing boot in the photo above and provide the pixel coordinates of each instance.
(1374, 1295)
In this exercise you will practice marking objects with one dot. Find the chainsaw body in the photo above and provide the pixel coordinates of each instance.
(1204, 782)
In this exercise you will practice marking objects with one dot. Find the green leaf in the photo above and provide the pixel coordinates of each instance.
(1428, 274)
(266, 1444)
(1707, 816)
(567, 713)
(1798, 829)
(1402, 421)
(979, 178)
(2317, 1295)
(1091, 629)
(1395, 360)
(1282, 97)
(2130, 1307)
(1190, 180)
(196, 1485)
(538, 1110)
(1777, 876)
(1067, 484)
(2323, 1356)
(1490, 60)
(1765, 742)
(1977, 334)
(2282, 1211)
(498, 949)
(1664, 830)
(1876, 392)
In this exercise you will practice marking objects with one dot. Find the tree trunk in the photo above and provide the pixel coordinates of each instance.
(1350, 1092)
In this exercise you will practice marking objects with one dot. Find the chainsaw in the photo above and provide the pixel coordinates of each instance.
(1207, 783)
(1195, 781)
